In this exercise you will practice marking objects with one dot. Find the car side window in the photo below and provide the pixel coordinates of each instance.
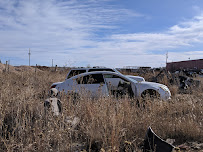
(75, 72)
(91, 70)
(91, 79)
(111, 76)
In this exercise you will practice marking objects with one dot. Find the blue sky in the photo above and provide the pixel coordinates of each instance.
(111, 33)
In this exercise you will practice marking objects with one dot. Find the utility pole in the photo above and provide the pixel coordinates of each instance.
(29, 56)
(52, 62)
(166, 57)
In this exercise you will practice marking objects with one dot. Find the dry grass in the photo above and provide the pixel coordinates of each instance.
(106, 121)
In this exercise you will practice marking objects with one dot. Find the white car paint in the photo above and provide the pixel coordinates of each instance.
(137, 88)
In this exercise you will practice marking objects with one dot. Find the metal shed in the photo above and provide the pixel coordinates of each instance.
(195, 65)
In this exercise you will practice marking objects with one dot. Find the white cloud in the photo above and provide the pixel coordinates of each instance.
(183, 34)
(81, 31)
(66, 24)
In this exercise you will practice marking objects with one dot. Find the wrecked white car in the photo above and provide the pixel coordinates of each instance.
(108, 83)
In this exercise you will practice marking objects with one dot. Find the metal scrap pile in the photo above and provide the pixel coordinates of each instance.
(183, 79)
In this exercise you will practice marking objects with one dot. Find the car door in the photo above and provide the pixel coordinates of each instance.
(92, 85)
(118, 86)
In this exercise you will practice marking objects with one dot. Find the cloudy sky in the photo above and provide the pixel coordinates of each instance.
(111, 33)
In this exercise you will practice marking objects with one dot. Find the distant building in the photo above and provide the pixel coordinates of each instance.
(195, 65)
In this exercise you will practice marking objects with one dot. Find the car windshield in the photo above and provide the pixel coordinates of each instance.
(134, 81)
(117, 71)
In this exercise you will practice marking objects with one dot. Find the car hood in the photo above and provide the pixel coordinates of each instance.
(137, 78)
(56, 83)
(152, 84)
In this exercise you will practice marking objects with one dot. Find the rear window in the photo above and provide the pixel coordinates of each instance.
(91, 79)
(75, 72)
(91, 70)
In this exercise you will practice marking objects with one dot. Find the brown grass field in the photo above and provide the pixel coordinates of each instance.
(109, 123)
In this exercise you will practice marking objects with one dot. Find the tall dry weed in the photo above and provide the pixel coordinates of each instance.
(106, 122)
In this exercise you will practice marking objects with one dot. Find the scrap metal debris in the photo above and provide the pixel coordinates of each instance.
(53, 102)
(185, 80)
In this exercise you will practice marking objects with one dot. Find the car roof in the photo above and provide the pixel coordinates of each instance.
(100, 72)
(94, 69)
(91, 68)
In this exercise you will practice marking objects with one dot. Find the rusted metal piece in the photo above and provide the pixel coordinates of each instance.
(154, 143)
